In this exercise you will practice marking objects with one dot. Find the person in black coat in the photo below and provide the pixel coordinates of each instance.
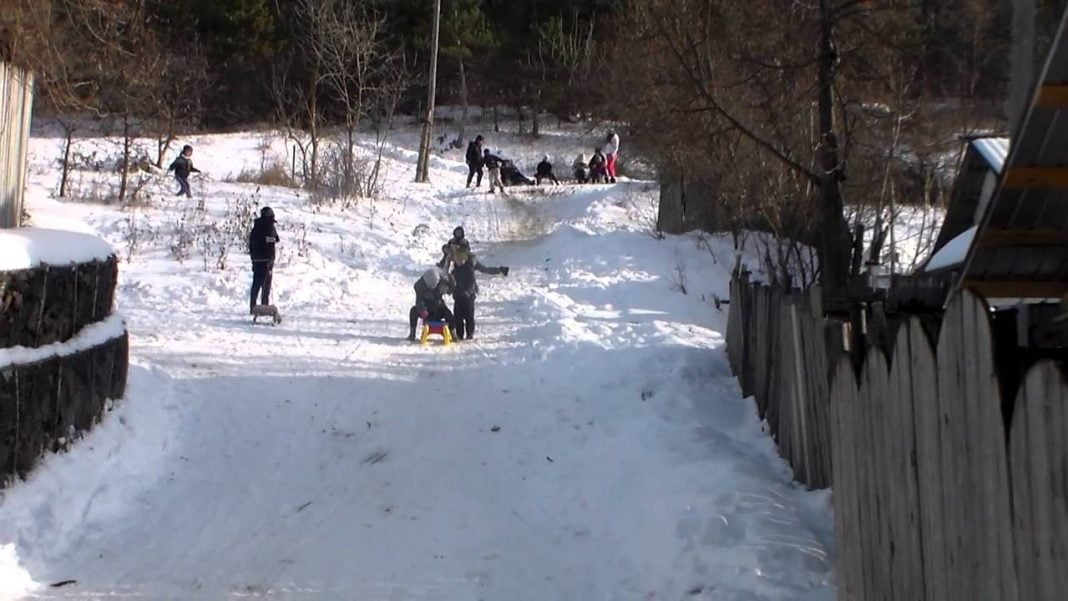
(182, 168)
(474, 161)
(430, 290)
(466, 289)
(261, 241)
(544, 170)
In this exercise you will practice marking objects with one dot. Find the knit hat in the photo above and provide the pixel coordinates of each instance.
(432, 277)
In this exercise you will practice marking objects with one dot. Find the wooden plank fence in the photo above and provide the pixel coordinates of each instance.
(942, 492)
(777, 343)
(16, 103)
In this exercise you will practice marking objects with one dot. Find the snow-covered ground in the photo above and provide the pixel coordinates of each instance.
(591, 443)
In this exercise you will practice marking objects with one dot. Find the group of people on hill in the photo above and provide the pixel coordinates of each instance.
(600, 168)
(454, 274)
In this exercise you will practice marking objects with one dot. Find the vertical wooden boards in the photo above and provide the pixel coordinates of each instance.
(912, 381)
(922, 380)
(981, 557)
(1039, 457)
(843, 401)
(932, 500)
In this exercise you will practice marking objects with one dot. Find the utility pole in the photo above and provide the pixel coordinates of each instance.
(422, 169)
(1021, 63)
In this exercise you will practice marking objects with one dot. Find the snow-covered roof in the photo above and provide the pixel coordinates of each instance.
(23, 248)
(953, 252)
(993, 150)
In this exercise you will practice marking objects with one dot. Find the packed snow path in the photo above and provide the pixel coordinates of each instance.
(591, 445)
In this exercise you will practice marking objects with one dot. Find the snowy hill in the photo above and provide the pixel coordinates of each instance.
(591, 443)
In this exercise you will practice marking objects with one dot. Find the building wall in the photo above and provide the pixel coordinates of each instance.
(16, 104)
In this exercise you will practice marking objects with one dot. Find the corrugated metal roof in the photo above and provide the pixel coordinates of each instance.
(971, 189)
(1021, 247)
(994, 150)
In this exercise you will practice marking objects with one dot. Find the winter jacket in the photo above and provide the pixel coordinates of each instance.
(580, 163)
(545, 169)
(446, 256)
(597, 161)
(474, 154)
(183, 166)
(429, 290)
(612, 147)
(464, 274)
(492, 161)
(262, 239)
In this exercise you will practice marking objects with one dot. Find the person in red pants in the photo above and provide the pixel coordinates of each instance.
(611, 152)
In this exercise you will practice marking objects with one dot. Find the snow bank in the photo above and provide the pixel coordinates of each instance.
(953, 252)
(90, 336)
(29, 247)
(15, 581)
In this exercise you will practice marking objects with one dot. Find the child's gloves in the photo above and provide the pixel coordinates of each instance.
(424, 314)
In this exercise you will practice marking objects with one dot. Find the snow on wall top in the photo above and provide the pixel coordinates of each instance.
(24, 248)
(91, 335)
(953, 252)
(994, 150)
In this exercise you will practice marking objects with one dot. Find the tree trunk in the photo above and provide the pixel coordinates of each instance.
(65, 172)
(163, 144)
(125, 167)
(463, 99)
(535, 123)
(313, 126)
(834, 236)
(350, 170)
(422, 173)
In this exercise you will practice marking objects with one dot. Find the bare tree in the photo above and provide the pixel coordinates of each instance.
(815, 90)
(347, 41)
(569, 47)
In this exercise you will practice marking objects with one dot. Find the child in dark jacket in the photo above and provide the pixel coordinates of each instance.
(598, 167)
(261, 241)
(182, 168)
(493, 163)
(545, 171)
(430, 290)
(463, 296)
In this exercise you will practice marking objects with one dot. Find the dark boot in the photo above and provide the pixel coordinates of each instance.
(411, 335)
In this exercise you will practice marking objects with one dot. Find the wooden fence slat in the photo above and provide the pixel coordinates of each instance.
(929, 464)
(817, 387)
(872, 393)
(927, 503)
(1040, 489)
(908, 547)
(787, 386)
(956, 499)
(845, 493)
(989, 457)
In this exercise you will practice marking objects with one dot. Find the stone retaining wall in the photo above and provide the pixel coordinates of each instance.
(45, 405)
(48, 403)
(52, 303)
